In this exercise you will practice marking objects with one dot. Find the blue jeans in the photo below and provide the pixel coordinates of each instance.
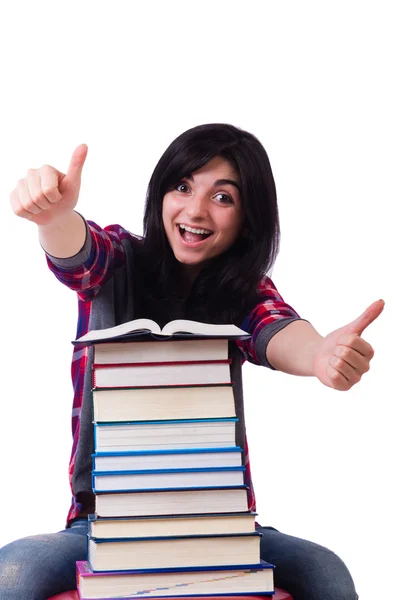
(306, 570)
(40, 566)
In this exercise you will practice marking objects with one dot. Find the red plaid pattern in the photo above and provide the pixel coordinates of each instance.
(106, 254)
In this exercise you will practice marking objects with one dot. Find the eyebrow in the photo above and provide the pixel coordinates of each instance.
(221, 182)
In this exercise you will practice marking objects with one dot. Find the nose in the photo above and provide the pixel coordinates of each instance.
(197, 207)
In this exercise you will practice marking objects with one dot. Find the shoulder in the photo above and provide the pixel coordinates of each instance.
(270, 314)
(266, 289)
(270, 306)
(268, 298)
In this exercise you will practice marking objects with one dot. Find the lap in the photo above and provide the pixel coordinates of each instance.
(305, 569)
(39, 566)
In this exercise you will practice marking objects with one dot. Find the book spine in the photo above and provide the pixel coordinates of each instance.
(184, 490)
(171, 471)
(198, 536)
(167, 422)
(238, 567)
(93, 517)
(162, 363)
(165, 386)
(226, 450)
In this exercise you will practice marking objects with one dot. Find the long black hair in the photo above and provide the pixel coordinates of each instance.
(225, 289)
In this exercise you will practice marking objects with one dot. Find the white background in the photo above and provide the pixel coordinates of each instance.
(315, 82)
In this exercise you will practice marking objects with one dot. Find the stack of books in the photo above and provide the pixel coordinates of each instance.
(171, 512)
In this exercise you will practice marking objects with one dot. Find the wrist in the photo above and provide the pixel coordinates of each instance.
(312, 352)
(64, 237)
(60, 222)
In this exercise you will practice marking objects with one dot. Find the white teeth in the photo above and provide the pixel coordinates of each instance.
(193, 229)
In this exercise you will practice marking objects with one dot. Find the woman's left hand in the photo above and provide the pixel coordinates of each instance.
(343, 356)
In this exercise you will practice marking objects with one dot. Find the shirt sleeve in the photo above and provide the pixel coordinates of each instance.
(100, 255)
(268, 317)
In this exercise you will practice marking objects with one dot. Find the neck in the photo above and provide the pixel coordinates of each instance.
(188, 275)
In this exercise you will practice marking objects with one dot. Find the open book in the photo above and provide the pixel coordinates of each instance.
(178, 328)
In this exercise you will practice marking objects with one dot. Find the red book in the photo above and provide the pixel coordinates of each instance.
(226, 583)
(160, 373)
(278, 595)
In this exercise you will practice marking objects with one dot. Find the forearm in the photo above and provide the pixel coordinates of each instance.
(65, 237)
(292, 349)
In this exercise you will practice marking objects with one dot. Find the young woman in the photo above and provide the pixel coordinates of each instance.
(211, 233)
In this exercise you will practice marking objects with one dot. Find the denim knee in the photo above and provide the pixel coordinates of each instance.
(40, 566)
(17, 580)
(305, 569)
(324, 575)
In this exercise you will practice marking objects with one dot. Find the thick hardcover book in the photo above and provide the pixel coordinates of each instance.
(179, 328)
(158, 351)
(163, 402)
(123, 527)
(185, 458)
(175, 502)
(165, 435)
(160, 373)
(161, 479)
(175, 583)
(121, 554)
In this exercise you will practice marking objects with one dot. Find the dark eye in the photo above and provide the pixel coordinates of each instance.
(224, 198)
(179, 187)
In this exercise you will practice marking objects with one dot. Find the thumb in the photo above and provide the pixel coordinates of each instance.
(76, 164)
(369, 315)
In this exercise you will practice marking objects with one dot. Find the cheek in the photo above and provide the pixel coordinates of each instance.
(233, 227)
(167, 211)
(170, 208)
(239, 223)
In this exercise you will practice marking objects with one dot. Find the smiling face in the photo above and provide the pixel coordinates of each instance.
(203, 214)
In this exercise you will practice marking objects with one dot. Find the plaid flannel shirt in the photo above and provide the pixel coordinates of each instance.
(106, 254)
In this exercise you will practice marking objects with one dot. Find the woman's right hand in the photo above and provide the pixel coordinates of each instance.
(46, 195)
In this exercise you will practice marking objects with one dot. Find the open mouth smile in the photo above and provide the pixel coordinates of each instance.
(193, 235)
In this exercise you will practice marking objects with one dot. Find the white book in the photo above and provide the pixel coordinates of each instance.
(174, 552)
(125, 527)
(156, 403)
(161, 351)
(179, 502)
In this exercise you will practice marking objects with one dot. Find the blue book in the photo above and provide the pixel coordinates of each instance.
(166, 459)
(171, 525)
(167, 479)
(165, 435)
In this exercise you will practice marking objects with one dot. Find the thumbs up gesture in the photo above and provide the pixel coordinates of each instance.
(343, 356)
(46, 194)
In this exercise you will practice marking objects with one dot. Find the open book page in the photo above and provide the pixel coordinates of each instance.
(185, 326)
(181, 326)
(120, 330)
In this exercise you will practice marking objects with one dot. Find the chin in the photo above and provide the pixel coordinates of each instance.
(189, 263)
(186, 259)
